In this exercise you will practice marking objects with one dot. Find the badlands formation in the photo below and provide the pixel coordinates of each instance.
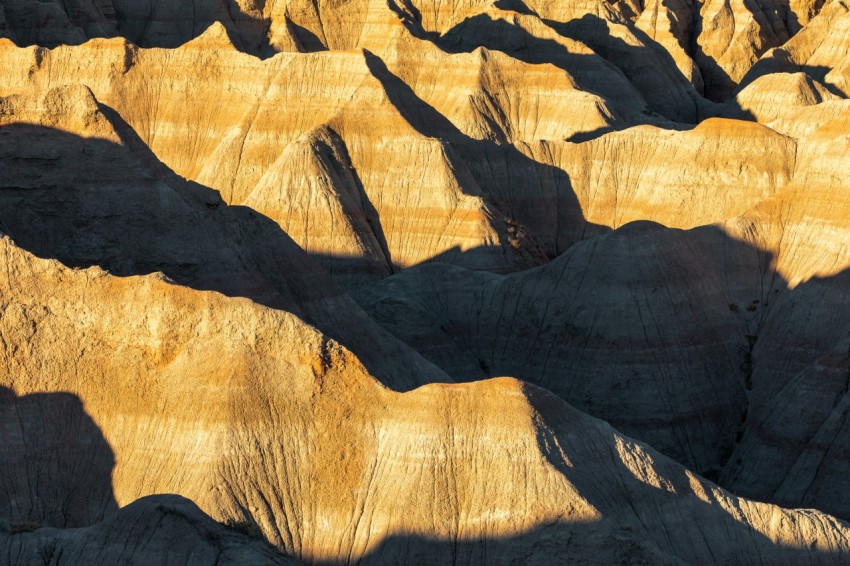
(407, 282)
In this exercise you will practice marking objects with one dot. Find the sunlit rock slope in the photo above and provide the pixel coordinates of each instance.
(422, 282)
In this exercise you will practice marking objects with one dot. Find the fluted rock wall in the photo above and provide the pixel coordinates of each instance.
(329, 464)
(253, 251)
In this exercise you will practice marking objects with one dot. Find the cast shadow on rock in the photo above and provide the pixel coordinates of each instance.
(56, 465)
(499, 172)
(57, 504)
(146, 24)
(663, 520)
(668, 93)
(548, 327)
(91, 202)
(780, 62)
(666, 90)
(641, 519)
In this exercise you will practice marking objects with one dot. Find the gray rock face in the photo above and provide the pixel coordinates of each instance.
(160, 386)
(687, 340)
(161, 529)
(637, 327)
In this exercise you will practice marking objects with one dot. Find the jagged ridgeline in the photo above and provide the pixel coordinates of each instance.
(407, 282)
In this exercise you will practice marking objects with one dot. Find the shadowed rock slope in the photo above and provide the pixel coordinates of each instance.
(296, 437)
(103, 199)
(162, 529)
(701, 342)
(508, 179)
(699, 47)
(370, 280)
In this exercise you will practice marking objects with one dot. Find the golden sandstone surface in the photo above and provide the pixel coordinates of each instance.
(419, 282)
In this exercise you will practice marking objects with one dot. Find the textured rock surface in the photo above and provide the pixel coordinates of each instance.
(709, 45)
(778, 97)
(694, 341)
(635, 327)
(819, 50)
(682, 179)
(332, 466)
(158, 529)
(361, 279)
(104, 200)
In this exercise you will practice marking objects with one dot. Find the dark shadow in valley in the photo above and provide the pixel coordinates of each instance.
(667, 91)
(592, 73)
(796, 450)
(146, 23)
(57, 504)
(561, 326)
(532, 204)
(91, 202)
(718, 86)
(659, 513)
(706, 381)
(167, 530)
(616, 72)
(556, 543)
(581, 543)
(780, 62)
(776, 23)
(56, 465)
(715, 85)
(308, 42)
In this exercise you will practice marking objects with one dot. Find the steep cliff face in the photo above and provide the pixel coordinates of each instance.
(98, 197)
(693, 47)
(819, 50)
(743, 316)
(330, 465)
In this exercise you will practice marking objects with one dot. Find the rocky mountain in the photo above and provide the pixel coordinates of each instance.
(420, 282)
